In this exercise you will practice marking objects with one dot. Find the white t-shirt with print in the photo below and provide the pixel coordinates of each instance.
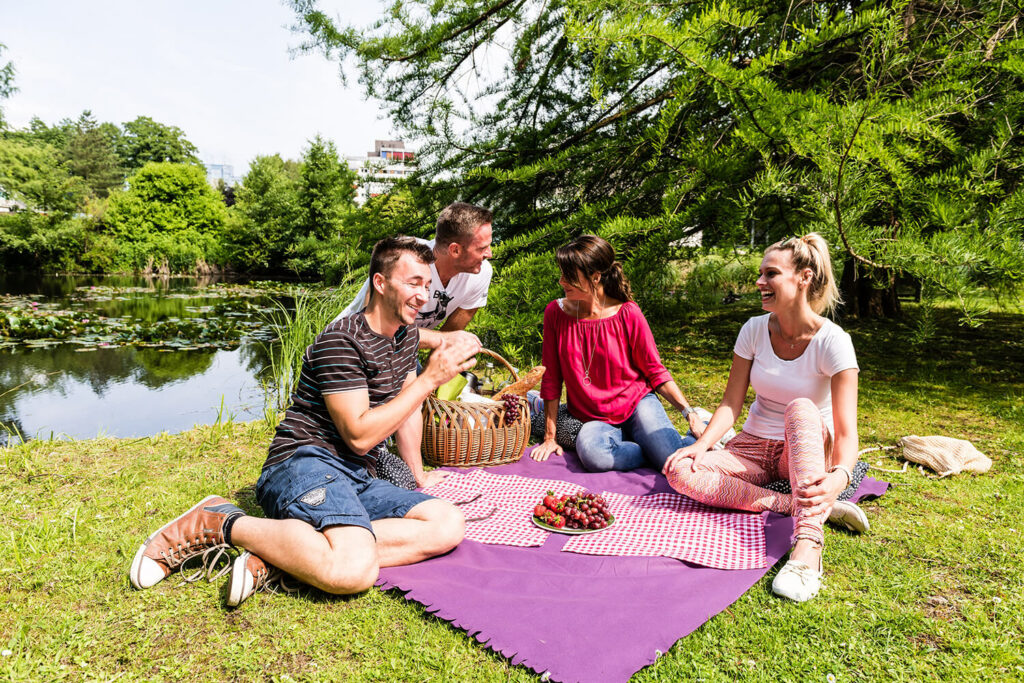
(777, 382)
(464, 290)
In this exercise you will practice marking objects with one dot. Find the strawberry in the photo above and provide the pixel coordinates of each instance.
(550, 501)
(559, 522)
(539, 511)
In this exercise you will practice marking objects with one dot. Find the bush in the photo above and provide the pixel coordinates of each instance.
(31, 241)
(168, 219)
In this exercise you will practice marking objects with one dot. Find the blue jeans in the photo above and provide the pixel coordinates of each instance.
(645, 439)
(319, 488)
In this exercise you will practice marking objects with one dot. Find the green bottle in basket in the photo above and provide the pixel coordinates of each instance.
(450, 390)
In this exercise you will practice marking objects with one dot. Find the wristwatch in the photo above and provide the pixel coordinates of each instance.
(687, 412)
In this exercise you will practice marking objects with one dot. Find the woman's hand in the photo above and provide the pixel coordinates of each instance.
(816, 497)
(544, 449)
(694, 452)
(697, 425)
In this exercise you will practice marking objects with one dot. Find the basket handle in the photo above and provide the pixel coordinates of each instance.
(496, 356)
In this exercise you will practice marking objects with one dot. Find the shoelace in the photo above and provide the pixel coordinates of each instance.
(278, 581)
(208, 565)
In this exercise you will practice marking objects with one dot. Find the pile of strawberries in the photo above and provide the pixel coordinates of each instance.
(581, 511)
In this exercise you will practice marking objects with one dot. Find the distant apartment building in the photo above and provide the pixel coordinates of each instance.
(10, 205)
(225, 172)
(378, 170)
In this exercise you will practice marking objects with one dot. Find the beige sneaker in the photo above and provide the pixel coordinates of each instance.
(198, 531)
(797, 581)
(249, 573)
(849, 516)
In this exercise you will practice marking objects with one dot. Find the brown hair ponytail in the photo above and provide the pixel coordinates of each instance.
(586, 255)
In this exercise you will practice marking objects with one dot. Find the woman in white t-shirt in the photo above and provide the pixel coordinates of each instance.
(802, 425)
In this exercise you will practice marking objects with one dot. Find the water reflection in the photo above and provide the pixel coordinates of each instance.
(125, 391)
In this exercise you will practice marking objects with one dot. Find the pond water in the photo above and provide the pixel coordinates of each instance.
(130, 356)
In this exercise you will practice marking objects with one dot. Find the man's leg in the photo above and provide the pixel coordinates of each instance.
(340, 559)
(431, 528)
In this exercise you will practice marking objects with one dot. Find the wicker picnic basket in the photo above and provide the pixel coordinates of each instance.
(457, 434)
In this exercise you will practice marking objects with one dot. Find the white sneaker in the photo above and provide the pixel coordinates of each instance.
(849, 516)
(797, 581)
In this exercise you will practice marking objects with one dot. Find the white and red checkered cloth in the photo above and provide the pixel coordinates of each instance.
(510, 496)
(671, 525)
(660, 524)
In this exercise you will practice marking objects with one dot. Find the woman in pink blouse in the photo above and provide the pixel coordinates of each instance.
(598, 343)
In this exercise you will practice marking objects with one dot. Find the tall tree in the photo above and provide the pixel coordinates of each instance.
(91, 155)
(265, 214)
(145, 140)
(327, 190)
(6, 83)
(892, 128)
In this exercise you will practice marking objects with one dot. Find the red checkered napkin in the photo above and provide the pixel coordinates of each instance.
(512, 498)
(671, 525)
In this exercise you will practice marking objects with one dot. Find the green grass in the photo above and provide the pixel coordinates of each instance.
(934, 591)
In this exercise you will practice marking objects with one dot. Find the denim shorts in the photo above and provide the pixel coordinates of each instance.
(319, 488)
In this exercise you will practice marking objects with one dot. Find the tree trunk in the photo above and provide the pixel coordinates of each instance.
(868, 292)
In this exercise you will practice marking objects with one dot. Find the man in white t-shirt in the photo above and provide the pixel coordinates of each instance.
(460, 277)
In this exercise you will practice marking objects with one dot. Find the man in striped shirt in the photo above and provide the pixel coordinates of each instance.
(329, 522)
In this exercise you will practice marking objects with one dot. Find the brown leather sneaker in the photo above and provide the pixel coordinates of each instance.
(250, 573)
(196, 532)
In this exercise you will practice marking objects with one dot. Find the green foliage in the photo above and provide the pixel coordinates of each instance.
(891, 129)
(31, 241)
(327, 190)
(36, 174)
(169, 218)
(91, 155)
(261, 229)
(6, 83)
(299, 217)
(145, 140)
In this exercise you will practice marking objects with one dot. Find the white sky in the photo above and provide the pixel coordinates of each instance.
(218, 69)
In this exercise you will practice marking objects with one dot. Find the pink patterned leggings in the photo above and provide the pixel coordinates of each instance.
(731, 478)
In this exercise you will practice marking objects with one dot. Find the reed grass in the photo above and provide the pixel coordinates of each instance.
(297, 326)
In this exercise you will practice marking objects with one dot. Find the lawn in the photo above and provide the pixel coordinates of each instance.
(934, 591)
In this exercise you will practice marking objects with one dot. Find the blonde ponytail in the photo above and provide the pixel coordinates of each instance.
(811, 251)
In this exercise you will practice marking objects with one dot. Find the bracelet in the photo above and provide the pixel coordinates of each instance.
(844, 470)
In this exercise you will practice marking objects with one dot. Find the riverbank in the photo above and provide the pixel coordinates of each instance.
(933, 591)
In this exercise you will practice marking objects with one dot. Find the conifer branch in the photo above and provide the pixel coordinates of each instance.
(839, 188)
(484, 16)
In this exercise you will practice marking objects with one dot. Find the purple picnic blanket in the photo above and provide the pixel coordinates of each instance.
(514, 599)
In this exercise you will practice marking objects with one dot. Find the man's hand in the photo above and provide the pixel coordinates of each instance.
(462, 334)
(542, 450)
(457, 354)
(430, 478)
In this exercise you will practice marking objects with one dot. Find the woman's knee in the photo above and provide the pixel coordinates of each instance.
(680, 476)
(594, 446)
(801, 408)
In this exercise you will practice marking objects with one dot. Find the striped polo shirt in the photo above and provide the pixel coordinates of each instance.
(346, 356)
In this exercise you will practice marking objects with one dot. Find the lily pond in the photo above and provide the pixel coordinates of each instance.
(83, 356)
